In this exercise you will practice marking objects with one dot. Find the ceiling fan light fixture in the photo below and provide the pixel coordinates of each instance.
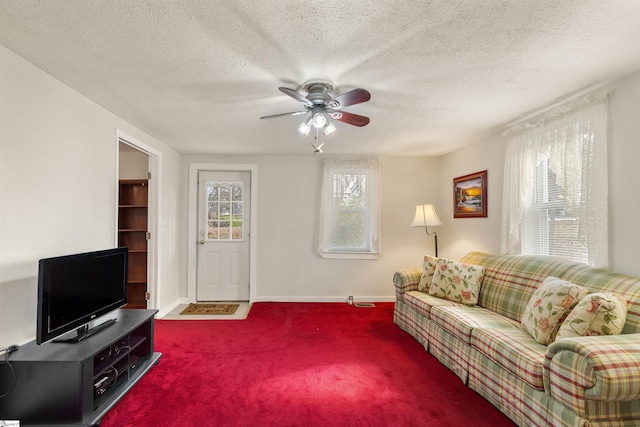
(323, 107)
(319, 120)
(305, 127)
(329, 129)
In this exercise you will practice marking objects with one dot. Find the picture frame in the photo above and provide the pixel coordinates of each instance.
(470, 195)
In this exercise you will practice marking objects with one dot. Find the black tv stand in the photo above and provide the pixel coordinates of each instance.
(77, 384)
(85, 332)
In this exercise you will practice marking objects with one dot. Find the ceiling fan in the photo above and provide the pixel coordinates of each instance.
(322, 106)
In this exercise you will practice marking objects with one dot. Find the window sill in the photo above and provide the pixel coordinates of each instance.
(349, 255)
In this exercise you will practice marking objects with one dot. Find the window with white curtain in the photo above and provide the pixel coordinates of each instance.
(555, 184)
(349, 223)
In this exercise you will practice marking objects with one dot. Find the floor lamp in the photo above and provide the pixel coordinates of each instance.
(426, 216)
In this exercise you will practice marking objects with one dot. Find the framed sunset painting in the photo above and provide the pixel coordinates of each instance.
(470, 195)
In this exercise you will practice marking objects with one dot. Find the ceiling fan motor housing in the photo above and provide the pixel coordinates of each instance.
(318, 92)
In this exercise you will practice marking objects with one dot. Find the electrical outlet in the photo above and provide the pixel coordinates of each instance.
(350, 300)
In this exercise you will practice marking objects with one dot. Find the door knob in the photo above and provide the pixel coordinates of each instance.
(201, 242)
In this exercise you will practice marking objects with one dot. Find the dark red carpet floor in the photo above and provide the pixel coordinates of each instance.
(292, 364)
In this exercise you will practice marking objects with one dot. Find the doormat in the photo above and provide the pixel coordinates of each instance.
(200, 308)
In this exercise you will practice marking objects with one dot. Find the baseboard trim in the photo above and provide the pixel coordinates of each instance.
(169, 308)
(325, 299)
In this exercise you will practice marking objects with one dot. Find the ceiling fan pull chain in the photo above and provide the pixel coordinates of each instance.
(317, 149)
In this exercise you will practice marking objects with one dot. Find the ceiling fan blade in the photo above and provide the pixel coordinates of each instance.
(296, 95)
(295, 113)
(350, 118)
(355, 96)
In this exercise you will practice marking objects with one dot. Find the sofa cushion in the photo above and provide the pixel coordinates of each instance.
(601, 313)
(510, 280)
(462, 320)
(428, 268)
(423, 302)
(456, 281)
(513, 349)
(626, 287)
(549, 306)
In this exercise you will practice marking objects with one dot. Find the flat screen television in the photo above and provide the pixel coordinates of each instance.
(73, 290)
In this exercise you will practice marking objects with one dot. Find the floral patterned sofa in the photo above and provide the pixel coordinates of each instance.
(548, 341)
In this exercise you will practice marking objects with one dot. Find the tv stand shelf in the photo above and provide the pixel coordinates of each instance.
(76, 384)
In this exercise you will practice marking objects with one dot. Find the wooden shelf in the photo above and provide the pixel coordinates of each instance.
(134, 192)
(133, 222)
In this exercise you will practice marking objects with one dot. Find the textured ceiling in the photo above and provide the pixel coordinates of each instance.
(198, 74)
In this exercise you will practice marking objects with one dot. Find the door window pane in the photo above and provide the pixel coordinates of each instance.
(225, 192)
(213, 210)
(212, 227)
(236, 193)
(225, 210)
(212, 192)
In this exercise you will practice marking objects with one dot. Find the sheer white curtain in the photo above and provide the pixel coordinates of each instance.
(349, 209)
(555, 184)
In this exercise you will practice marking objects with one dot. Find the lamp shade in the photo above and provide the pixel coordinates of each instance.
(425, 216)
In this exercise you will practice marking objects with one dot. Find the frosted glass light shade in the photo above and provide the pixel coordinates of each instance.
(305, 126)
(319, 120)
(425, 216)
(329, 128)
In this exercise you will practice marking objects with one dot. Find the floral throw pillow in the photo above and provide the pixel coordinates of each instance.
(456, 281)
(428, 267)
(596, 314)
(549, 306)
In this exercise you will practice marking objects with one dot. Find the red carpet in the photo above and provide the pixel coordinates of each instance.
(292, 364)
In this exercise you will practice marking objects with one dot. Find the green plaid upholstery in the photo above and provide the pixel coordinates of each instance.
(526, 406)
(560, 415)
(513, 349)
(510, 280)
(411, 321)
(424, 302)
(577, 382)
(461, 321)
(450, 333)
(449, 350)
(413, 313)
(598, 378)
(405, 281)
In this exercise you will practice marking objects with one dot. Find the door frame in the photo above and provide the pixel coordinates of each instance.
(192, 227)
(155, 162)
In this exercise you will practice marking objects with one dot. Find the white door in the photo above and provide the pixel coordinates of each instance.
(223, 236)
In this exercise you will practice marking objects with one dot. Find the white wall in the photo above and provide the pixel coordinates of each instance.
(289, 268)
(463, 235)
(624, 152)
(133, 164)
(458, 236)
(58, 186)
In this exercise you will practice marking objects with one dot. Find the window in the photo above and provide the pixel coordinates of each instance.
(555, 184)
(551, 226)
(224, 210)
(349, 210)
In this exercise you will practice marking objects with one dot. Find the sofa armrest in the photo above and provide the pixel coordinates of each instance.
(602, 368)
(406, 280)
